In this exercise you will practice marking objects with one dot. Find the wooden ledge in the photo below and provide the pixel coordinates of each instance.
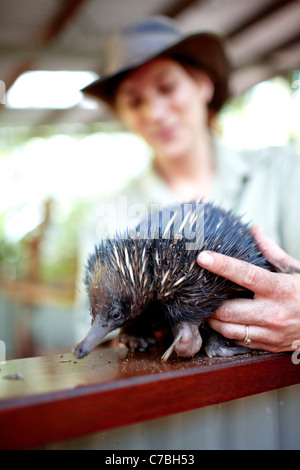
(59, 397)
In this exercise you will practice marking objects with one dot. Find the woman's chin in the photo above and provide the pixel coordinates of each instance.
(171, 151)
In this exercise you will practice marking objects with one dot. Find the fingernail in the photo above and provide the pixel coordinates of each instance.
(205, 259)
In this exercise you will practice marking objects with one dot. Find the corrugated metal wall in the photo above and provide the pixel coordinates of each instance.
(269, 420)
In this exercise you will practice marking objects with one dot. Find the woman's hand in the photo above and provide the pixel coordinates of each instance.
(273, 315)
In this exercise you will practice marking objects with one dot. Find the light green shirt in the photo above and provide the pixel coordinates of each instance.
(263, 186)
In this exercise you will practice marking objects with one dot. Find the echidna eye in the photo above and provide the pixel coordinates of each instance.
(116, 315)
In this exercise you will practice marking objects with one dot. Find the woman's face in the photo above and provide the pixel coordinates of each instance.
(166, 105)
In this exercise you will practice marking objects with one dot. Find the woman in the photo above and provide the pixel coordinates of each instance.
(166, 87)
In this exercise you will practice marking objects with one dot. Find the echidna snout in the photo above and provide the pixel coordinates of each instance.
(96, 334)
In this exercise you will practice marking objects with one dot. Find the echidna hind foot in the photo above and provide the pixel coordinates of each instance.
(219, 346)
(187, 341)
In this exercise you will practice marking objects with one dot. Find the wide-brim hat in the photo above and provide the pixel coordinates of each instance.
(159, 36)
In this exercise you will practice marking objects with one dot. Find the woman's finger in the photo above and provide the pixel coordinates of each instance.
(243, 311)
(256, 335)
(258, 280)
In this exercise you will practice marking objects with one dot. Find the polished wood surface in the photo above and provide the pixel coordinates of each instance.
(58, 397)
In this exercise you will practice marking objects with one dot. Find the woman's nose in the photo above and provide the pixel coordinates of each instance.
(155, 109)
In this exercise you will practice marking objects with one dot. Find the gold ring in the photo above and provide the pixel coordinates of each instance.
(247, 339)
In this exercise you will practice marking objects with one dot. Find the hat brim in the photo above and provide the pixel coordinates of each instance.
(204, 50)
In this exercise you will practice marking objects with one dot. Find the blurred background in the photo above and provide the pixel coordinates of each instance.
(61, 152)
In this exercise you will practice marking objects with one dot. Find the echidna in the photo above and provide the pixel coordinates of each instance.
(150, 280)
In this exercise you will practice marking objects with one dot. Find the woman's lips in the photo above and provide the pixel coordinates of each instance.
(166, 134)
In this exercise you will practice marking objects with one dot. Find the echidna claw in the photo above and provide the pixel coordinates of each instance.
(169, 351)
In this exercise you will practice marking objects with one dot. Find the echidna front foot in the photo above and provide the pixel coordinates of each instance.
(219, 346)
(138, 335)
(187, 341)
(137, 342)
